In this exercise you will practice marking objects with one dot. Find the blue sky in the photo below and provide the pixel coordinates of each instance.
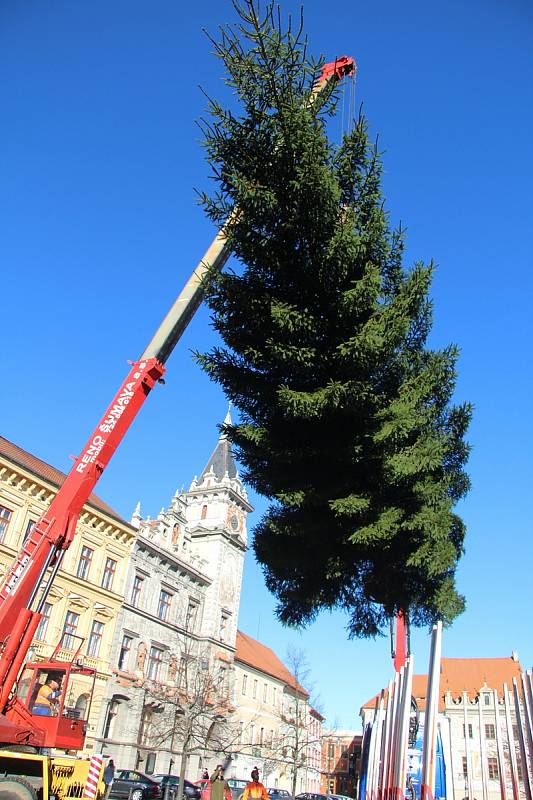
(99, 228)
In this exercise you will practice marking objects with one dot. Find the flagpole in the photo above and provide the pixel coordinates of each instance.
(427, 790)
(483, 751)
(522, 740)
(499, 746)
(510, 739)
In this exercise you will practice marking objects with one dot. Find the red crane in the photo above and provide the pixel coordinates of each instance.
(27, 583)
(400, 646)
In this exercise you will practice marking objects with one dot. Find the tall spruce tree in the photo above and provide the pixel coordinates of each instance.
(346, 418)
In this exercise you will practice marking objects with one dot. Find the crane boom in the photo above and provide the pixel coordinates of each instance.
(27, 583)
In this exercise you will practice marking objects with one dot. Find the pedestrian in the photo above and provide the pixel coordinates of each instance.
(220, 789)
(109, 774)
(205, 775)
(255, 790)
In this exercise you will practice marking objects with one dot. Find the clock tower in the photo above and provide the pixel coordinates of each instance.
(216, 510)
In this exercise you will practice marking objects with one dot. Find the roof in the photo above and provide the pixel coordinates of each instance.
(262, 658)
(46, 472)
(460, 675)
(221, 460)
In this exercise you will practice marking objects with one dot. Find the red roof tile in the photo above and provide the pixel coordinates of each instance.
(46, 472)
(469, 675)
(260, 657)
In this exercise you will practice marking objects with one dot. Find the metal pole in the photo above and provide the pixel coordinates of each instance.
(427, 789)
(466, 701)
(499, 745)
(510, 739)
(404, 730)
(483, 751)
(522, 741)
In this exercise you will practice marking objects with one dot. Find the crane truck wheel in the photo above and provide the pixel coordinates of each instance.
(14, 788)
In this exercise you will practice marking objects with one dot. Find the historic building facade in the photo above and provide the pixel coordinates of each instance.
(473, 717)
(154, 605)
(180, 611)
(279, 731)
(88, 592)
(341, 755)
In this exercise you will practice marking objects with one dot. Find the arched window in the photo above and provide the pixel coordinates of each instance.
(81, 705)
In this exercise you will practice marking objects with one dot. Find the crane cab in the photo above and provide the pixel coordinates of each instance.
(58, 694)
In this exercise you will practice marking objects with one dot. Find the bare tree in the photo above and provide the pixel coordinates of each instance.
(192, 712)
(289, 749)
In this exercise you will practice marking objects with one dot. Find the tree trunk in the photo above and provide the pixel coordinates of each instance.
(183, 766)
(294, 779)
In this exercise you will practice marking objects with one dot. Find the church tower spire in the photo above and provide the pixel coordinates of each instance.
(221, 462)
(217, 506)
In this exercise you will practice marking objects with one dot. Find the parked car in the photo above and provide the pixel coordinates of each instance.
(128, 783)
(237, 785)
(204, 787)
(312, 796)
(279, 794)
(190, 791)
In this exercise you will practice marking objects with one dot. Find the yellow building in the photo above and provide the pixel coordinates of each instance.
(89, 589)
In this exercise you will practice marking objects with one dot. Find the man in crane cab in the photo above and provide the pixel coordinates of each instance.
(47, 699)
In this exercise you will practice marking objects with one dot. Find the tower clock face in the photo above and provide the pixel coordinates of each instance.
(235, 519)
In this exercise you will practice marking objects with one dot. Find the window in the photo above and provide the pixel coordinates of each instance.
(486, 699)
(274, 695)
(244, 684)
(155, 660)
(204, 512)
(465, 767)
(223, 627)
(95, 639)
(469, 731)
(271, 740)
(192, 614)
(40, 633)
(182, 679)
(252, 733)
(69, 629)
(163, 608)
(136, 590)
(261, 735)
(112, 712)
(84, 563)
(81, 705)
(492, 764)
(124, 655)
(150, 763)
(331, 750)
(109, 573)
(490, 732)
(30, 525)
(241, 730)
(256, 684)
(145, 733)
(265, 692)
(221, 677)
(519, 771)
(5, 516)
